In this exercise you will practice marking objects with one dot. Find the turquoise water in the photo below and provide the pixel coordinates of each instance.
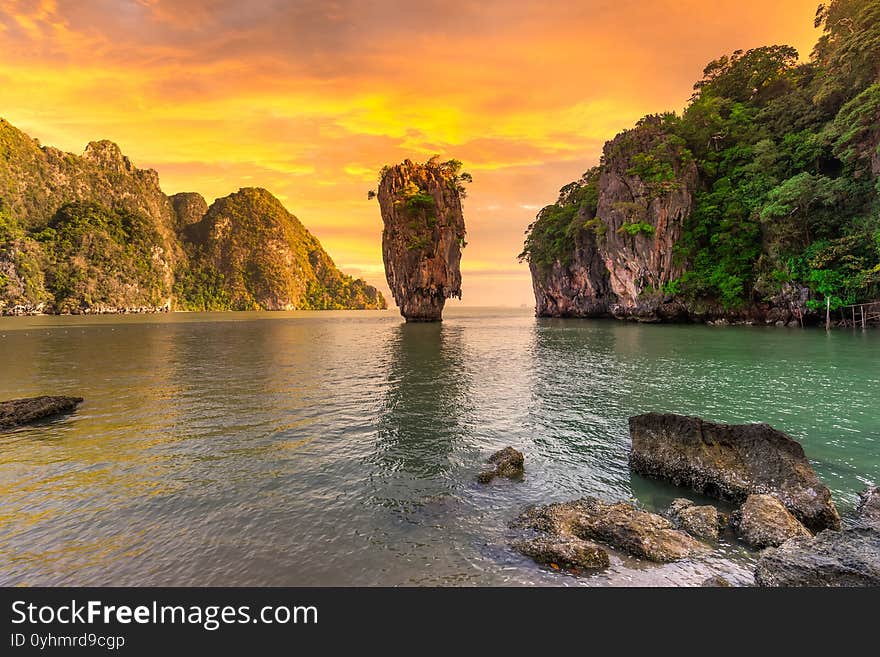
(341, 448)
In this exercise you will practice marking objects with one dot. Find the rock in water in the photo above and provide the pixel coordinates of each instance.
(831, 558)
(564, 551)
(507, 462)
(764, 522)
(423, 236)
(731, 461)
(869, 508)
(22, 411)
(700, 521)
(620, 525)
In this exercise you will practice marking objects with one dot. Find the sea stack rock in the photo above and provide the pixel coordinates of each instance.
(423, 235)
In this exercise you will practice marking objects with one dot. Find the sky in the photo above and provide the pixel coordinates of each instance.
(310, 99)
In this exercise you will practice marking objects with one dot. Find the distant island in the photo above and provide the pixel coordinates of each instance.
(758, 204)
(95, 234)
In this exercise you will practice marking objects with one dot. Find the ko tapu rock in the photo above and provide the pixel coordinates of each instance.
(424, 234)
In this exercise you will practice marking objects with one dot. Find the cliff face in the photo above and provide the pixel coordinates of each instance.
(250, 253)
(423, 235)
(93, 233)
(756, 204)
(626, 218)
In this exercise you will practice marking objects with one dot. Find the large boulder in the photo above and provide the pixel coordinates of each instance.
(564, 551)
(23, 411)
(831, 558)
(701, 521)
(730, 462)
(508, 463)
(869, 508)
(620, 525)
(764, 522)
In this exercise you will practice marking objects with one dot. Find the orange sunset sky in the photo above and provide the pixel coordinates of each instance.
(310, 99)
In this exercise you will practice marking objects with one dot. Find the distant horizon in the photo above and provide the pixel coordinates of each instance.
(309, 102)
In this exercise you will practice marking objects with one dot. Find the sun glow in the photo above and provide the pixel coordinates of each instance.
(310, 102)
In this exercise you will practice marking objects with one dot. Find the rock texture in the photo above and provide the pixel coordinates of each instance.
(869, 508)
(764, 522)
(423, 236)
(716, 581)
(508, 463)
(731, 462)
(700, 521)
(620, 525)
(23, 411)
(831, 558)
(624, 248)
(95, 234)
(189, 208)
(564, 551)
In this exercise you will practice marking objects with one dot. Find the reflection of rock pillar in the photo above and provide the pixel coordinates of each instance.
(420, 421)
(423, 235)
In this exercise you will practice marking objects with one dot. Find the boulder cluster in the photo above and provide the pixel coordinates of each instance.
(782, 508)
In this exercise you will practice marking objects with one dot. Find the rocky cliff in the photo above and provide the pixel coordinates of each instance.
(250, 253)
(93, 233)
(757, 204)
(423, 235)
(607, 245)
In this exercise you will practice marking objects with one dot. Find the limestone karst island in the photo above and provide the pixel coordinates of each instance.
(423, 236)
(95, 234)
(578, 294)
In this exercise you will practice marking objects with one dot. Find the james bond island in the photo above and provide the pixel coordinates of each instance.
(423, 236)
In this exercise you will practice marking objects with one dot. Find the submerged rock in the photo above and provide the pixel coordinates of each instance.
(423, 235)
(620, 525)
(507, 462)
(730, 462)
(700, 521)
(831, 558)
(764, 522)
(564, 551)
(23, 411)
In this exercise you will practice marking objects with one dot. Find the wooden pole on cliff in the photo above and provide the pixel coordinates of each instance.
(827, 313)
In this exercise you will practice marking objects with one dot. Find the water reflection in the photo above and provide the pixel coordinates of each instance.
(342, 448)
(420, 420)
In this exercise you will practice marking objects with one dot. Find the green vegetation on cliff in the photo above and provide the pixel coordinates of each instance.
(788, 163)
(93, 233)
(97, 258)
(248, 252)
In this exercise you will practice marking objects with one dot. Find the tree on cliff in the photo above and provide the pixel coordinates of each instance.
(423, 234)
(789, 173)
